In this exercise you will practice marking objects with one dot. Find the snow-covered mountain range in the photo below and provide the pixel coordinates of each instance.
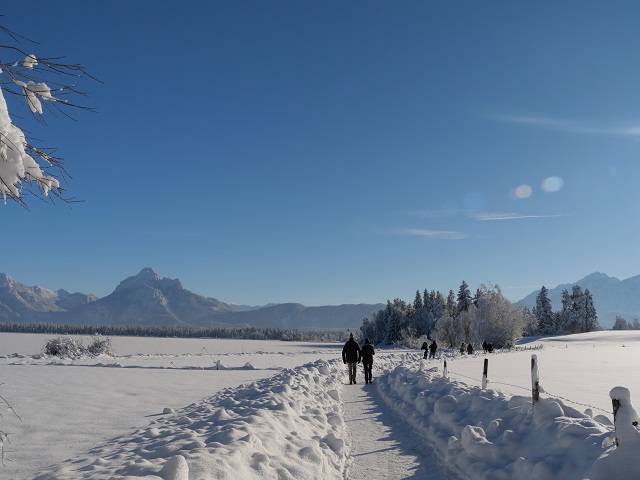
(611, 297)
(150, 299)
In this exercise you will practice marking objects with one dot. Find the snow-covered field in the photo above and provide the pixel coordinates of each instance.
(199, 408)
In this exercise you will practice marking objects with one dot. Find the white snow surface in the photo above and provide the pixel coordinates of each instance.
(238, 409)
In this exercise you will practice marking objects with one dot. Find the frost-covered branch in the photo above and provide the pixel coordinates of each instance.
(4, 436)
(44, 85)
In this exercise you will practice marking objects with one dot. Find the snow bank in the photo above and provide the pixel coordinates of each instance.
(487, 435)
(621, 460)
(288, 426)
(291, 425)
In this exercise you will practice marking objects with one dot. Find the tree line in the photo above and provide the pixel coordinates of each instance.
(243, 333)
(577, 314)
(451, 320)
(621, 323)
(473, 319)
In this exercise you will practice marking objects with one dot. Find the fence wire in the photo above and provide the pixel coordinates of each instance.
(528, 389)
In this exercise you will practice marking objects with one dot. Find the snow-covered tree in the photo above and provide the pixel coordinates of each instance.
(43, 84)
(394, 324)
(368, 329)
(590, 315)
(531, 324)
(380, 326)
(438, 304)
(477, 296)
(464, 324)
(417, 302)
(464, 299)
(564, 315)
(447, 332)
(544, 313)
(620, 324)
(576, 316)
(451, 305)
(497, 320)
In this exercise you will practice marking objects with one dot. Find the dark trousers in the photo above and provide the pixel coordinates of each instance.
(368, 366)
(352, 371)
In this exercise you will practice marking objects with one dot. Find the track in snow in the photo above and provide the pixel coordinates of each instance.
(383, 446)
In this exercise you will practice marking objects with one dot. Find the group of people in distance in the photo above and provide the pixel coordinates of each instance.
(429, 350)
(352, 355)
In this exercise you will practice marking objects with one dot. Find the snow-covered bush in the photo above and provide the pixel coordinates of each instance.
(70, 347)
(100, 346)
(63, 347)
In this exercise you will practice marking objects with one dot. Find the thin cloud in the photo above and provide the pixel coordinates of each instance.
(430, 234)
(569, 126)
(491, 216)
(435, 213)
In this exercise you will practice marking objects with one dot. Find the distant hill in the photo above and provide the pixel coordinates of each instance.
(19, 302)
(611, 297)
(145, 299)
(293, 315)
(150, 299)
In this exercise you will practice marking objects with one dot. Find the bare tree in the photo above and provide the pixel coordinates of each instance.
(46, 85)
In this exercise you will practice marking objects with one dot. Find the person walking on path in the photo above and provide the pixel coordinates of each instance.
(351, 355)
(367, 353)
(425, 347)
(432, 349)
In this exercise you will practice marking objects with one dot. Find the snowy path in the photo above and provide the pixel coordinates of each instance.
(383, 446)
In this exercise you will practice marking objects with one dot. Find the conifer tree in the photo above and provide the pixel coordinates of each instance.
(577, 311)
(564, 314)
(620, 324)
(590, 315)
(439, 304)
(417, 302)
(451, 305)
(544, 313)
(464, 298)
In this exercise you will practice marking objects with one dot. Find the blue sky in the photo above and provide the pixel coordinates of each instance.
(337, 152)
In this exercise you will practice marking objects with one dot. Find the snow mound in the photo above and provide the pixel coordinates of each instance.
(620, 459)
(486, 434)
(285, 426)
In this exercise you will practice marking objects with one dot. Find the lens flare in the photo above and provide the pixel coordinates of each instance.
(521, 192)
(552, 184)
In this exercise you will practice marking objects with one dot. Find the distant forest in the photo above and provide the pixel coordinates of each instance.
(243, 333)
(473, 319)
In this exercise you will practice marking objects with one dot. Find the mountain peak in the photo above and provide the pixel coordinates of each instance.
(597, 276)
(148, 277)
(148, 273)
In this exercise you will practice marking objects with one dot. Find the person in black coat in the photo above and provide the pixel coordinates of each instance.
(351, 355)
(425, 347)
(432, 349)
(367, 359)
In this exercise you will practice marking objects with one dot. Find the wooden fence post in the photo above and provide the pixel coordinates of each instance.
(484, 374)
(535, 380)
(621, 397)
(445, 372)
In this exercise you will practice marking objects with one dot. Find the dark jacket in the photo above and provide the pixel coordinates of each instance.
(351, 351)
(367, 353)
(433, 347)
